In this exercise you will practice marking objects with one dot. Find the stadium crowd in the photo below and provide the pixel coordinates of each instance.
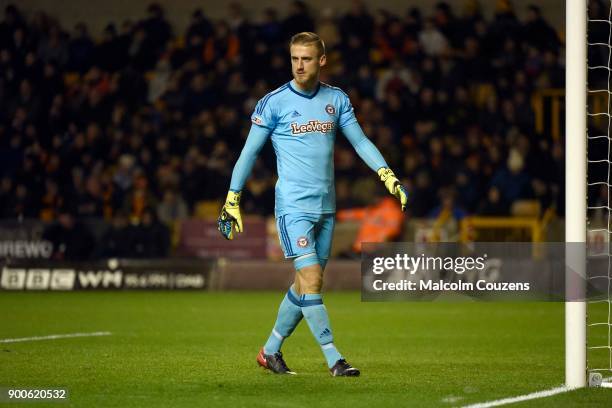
(145, 122)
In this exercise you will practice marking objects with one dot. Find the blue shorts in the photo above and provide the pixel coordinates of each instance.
(302, 234)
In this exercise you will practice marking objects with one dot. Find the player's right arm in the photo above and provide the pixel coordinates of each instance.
(263, 119)
(230, 217)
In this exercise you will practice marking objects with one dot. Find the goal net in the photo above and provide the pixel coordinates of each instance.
(599, 207)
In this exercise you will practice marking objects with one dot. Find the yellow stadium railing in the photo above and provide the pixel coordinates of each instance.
(501, 229)
(551, 118)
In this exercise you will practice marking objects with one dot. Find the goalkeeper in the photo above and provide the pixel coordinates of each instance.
(301, 118)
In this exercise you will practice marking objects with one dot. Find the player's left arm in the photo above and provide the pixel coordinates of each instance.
(374, 159)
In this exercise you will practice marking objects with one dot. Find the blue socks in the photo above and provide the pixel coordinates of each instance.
(289, 315)
(316, 316)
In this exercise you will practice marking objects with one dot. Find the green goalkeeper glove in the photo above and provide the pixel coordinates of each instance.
(230, 217)
(394, 186)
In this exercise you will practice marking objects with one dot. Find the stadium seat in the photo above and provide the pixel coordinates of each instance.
(207, 209)
(526, 208)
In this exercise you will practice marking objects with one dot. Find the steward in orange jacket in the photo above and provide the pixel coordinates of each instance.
(380, 222)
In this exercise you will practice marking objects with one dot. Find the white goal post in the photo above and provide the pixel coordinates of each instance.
(575, 185)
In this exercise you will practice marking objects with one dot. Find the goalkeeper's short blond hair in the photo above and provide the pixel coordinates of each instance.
(308, 38)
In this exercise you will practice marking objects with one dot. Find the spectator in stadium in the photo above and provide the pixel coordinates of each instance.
(117, 241)
(21, 203)
(71, 239)
(156, 28)
(50, 201)
(172, 207)
(511, 180)
(447, 216)
(111, 53)
(26, 106)
(493, 204)
(80, 49)
(139, 198)
(391, 41)
(222, 45)
(142, 52)
(89, 200)
(537, 32)
(201, 95)
(505, 24)
(6, 192)
(239, 25)
(199, 29)
(13, 21)
(298, 20)
(328, 29)
(357, 23)
(397, 78)
(469, 189)
(447, 24)
(448, 208)
(432, 40)
(552, 74)
(269, 31)
(150, 238)
(53, 49)
(355, 49)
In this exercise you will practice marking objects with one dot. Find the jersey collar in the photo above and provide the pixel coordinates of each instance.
(303, 94)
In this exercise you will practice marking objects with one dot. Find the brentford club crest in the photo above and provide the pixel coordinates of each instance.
(330, 109)
(302, 242)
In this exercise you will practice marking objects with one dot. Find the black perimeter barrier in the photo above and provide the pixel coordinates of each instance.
(107, 274)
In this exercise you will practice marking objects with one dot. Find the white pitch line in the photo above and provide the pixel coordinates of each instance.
(533, 395)
(55, 336)
(520, 398)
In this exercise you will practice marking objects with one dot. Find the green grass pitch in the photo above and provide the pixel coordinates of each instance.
(187, 349)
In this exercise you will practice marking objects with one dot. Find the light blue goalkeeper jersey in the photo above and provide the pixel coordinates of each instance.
(303, 130)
